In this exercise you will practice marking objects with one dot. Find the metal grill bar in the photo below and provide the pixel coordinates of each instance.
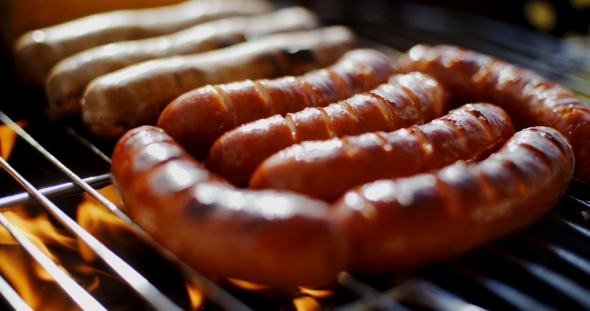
(144, 288)
(12, 297)
(556, 280)
(57, 190)
(372, 297)
(427, 294)
(75, 291)
(506, 292)
(569, 225)
(140, 284)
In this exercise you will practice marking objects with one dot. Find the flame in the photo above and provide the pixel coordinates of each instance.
(317, 293)
(248, 285)
(8, 138)
(306, 303)
(195, 295)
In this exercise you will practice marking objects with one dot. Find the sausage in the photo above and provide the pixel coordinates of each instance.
(326, 169)
(35, 52)
(400, 224)
(269, 237)
(136, 95)
(529, 98)
(404, 101)
(66, 81)
(196, 119)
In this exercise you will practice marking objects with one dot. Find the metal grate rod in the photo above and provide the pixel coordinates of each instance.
(12, 297)
(373, 299)
(569, 225)
(210, 289)
(75, 291)
(61, 189)
(556, 280)
(505, 292)
(141, 285)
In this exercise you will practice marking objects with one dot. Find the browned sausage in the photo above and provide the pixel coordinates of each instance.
(36, 51)
(326, 169)
(404, 101)
(529, 98)
(136, 95)
(196, 119)
(66, 81)
(270, 237)
(403, 223)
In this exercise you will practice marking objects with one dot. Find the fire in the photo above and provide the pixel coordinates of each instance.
(317, 293)
(8, 138)
(195, 296)
(248, 285)
(306, 303)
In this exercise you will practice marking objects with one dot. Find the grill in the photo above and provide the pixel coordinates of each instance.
(545, 267)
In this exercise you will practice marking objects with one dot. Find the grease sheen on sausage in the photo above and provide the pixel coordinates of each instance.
(529, 98)
(326, 169)
(404, 101)
(270, 237)
(196, 119)
(136, 95)
(403, 223)
(66, 81)
(35, 52)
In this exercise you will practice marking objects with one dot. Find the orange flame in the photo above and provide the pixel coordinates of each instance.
(306, 303)
(248, 285)
(195, 295)
(317, 293)
(8, 138)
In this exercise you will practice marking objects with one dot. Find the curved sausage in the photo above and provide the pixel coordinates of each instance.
(66, 81)
(404, 101)
(196, 119)
(326, 169)
(35, 52)
(269, 237)
(136, 95)
(403, 223)
(528, 98)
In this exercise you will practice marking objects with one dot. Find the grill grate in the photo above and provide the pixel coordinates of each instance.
(545, 267)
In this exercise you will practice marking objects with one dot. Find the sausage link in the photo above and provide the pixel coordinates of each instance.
(403, 223)
(35, 52)
(404, 101)
(529, 98)
(66, 81)
(189, 118)
(136, 95)
(326, 169)
(219, 229)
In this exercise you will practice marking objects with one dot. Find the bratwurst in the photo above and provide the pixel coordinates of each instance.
(529, 98)
(197, 118)
(269, 237)
(400, 224)
(326, 169)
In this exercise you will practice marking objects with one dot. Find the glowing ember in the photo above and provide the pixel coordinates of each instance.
(306, 303)
(248, 285)
(317, 293)
(195, 296)
(8, 138)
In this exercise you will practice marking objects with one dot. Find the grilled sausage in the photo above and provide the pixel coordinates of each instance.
(137, 94)
(66, 81)
(35, 52)
(404, 101)
(326, 169)
(528, 98)
(196, 119)
(403, 223)
(270, 237)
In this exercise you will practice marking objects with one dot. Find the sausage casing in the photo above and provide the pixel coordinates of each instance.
(66, 81)
(35, 52)
(403, 223)
(529, 98)
(404, 101)
(269, 237)
(136, 95)
(326, 169)
(196, 119)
